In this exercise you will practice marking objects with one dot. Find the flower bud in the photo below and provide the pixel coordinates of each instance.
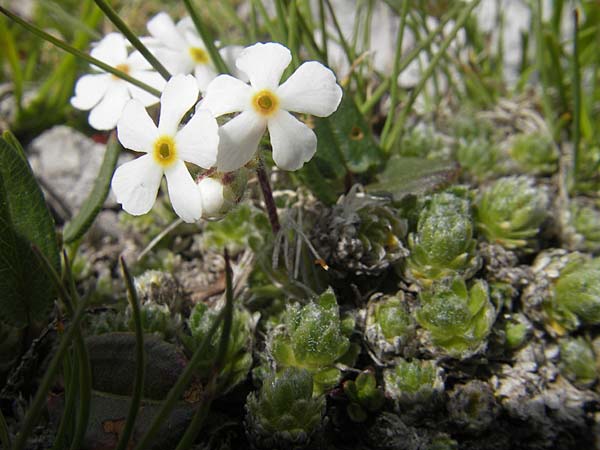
(221, 191)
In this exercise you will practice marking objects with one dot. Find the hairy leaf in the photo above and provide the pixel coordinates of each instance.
(27, 292)
(345, 147)
(403, 176)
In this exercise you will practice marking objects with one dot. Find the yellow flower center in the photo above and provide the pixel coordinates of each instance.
(165, 151)
(199, 55)
(123, 68)
(265, 102)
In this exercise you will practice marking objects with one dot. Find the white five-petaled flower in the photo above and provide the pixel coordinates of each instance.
(311, 89)
(106, 95)
(182, 50)
(136, 183)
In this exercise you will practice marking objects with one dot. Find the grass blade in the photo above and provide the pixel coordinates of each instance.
(4, 434)
(576, 99)
(206, 37)
(399, 125)
(82, 221)
(131, 37)
(212, 389)
(78, 53)
(179, 387)
(140, 359)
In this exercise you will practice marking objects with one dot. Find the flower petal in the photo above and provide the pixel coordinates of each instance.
(186, 25)
(239, 140)
(211, 192)
(89, 90)
(191, 36)
(180, 94)
(151, 78)
(183, 192)
(311, 89)
(162, 27)
(264, 64)
(135, 128)
(197, 142)
(112, 49)
(106, 114)
(204, 74)
(229, 54)
(293, 142)
(136, 61)
(225, 95)
(175, 61)
(136, 183)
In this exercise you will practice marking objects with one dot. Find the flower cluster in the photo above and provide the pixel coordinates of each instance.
(187, 130)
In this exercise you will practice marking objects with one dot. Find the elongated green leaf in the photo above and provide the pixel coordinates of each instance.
(12, 140)
(93, 203)
(345, 147)
(9, 273)
(27, 292)
(403, 176)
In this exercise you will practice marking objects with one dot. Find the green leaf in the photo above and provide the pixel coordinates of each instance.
(12, 140)
(93, 203)
(26, 290)
(9, 275)
(407, 175)
(345, 147)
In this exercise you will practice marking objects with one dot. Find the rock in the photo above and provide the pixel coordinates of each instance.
(66, 162)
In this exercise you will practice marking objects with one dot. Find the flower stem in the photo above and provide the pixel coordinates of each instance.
(323, 25)
(265, 186)
(78, 53)
(131, 37)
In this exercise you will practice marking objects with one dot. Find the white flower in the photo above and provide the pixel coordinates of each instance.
(264, 103)
(105, 94)
(182, 50)
(136, 183)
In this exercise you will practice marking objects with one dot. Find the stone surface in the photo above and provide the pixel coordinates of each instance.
(67, 163)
